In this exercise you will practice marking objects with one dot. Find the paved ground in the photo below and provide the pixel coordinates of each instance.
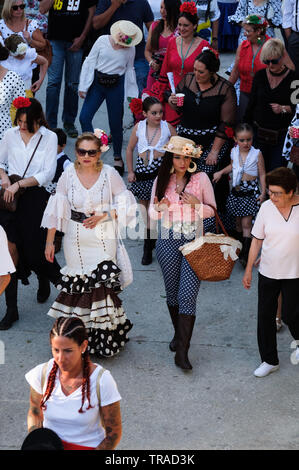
(219, 405)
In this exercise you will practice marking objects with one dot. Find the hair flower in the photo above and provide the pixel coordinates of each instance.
(229, 132)
(103, 137)
(21, 102)
(188, 7)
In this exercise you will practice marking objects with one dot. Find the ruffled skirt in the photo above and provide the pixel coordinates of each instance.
(89, 290)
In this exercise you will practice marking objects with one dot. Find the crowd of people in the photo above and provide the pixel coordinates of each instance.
(192, 129)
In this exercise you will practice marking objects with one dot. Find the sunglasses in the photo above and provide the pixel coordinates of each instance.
(16, 7)
(198, 97)
(271, 61)
(90, 153)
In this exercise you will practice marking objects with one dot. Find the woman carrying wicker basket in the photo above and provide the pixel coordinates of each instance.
(179, 198)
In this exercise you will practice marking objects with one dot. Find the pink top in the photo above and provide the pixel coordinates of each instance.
(199, 186)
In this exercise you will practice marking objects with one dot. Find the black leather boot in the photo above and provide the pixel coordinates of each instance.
(11, 297)
(174, 314)
(184, 333)
(147, 249)
(44, 289)
(243, 257)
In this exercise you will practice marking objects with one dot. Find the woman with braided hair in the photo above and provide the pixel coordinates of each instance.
(72, 396)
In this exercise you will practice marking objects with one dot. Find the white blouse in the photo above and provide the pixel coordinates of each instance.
(108, 192)
(105, 59)
(143, 145)
(280, 249)
(6, 264)
(61, 414)
(22, 67)
(250, 166)
(16, 154)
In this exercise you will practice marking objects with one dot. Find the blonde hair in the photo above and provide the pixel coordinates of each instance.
(91, 137)
(272, 49)
(6, 10)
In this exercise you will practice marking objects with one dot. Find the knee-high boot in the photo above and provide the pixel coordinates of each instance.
(184, 333)
(174, 314)
(243, 257)
(11, 297)
(147, 249)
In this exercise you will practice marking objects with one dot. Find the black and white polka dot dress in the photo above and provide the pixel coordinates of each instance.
(11, 87)
(90, 280)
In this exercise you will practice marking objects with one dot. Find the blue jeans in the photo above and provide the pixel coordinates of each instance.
(115, 106)
(141, 69)
(73, 62)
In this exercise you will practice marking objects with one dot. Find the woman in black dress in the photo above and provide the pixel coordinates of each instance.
(270, 108)
(207, 115)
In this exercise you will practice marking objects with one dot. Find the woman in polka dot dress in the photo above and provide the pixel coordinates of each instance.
(179, 197)
(89, 197)
(149, 135)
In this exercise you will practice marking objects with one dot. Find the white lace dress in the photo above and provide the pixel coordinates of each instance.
(90, 279)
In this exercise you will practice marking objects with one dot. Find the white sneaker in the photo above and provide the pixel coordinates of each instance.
(265, 369)
(297, 353)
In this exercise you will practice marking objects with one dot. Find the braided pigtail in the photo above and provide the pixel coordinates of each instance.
(86, 382)
(50, 386)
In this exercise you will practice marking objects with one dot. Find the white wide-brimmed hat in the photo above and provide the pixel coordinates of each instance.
(125, 33)
(182, 146)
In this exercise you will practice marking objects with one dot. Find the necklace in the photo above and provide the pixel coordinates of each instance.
(185, 56)
(278, 74)
(179, 187)
(146, 159)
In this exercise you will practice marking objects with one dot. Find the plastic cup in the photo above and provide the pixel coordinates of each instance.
(180, 97)
(295, 132)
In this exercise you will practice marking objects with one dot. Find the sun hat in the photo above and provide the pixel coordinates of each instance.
(125, 33)
(42, 439)
(182, 146)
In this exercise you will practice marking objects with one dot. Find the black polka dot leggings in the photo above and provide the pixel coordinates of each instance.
(181, 283)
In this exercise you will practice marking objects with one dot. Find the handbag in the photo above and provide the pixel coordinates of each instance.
(12, 206)
(104, 79)
(267, 136)
(294, 155)
(212, 256)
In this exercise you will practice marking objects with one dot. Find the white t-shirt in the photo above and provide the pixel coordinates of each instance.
(62, 414)
(280, 249)
(22, 67)
(6, 263)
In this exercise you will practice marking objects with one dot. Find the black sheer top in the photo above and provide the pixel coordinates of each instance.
(209, 110)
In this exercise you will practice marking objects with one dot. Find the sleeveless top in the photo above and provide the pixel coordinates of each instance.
(250, 166)
(142, 144)
(249, 65)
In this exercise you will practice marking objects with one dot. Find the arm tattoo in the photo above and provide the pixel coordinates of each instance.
(112, 424)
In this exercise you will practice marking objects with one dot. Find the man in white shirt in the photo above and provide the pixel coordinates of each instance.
(290, 23)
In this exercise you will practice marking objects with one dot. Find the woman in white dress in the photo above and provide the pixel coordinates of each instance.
(90, 197)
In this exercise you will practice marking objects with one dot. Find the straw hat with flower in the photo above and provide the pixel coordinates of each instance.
(126, 33)
(182, 146)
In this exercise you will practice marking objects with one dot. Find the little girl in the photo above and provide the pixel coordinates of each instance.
(248, 168)
(150, 135)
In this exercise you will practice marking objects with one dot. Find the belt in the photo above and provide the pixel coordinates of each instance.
(78, 216)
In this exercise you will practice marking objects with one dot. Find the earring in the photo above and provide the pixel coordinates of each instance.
(193, 168)
(172, 170)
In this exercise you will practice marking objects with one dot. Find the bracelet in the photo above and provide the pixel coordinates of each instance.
(49, 243)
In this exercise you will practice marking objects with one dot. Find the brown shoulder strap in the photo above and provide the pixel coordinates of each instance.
(99, 393)
(44, 373)
(32, 156)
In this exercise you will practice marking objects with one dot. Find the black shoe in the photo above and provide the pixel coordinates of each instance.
(174, 314)
(10, 317)
(11, 296)
(243, 256)
(71, 130)
(44, 290)
(120, 168)
(184, 332)
(147, 257)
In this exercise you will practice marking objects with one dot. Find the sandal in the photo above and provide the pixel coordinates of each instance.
(278, 324)
(119, 165)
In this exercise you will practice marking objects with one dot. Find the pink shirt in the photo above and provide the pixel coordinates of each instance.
(199, 186)
(280, 249)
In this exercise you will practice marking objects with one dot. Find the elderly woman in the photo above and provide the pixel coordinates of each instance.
(71, 395)
(179, 197)
(30, 151)
(89, 196)
(14, 21)
(270, 108)
(209, 109)
(276, 233)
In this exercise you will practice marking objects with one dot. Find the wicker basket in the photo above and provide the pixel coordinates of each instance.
(212, 256)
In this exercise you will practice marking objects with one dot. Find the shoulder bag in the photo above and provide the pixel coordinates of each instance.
(294, 155)
(46, 51)
(12, 206)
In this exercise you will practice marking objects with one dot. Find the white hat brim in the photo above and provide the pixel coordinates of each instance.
(114, 31)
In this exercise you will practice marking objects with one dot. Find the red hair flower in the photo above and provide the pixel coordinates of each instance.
(136, 105)
(21, 102)
(229, 132)
(188, 7)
